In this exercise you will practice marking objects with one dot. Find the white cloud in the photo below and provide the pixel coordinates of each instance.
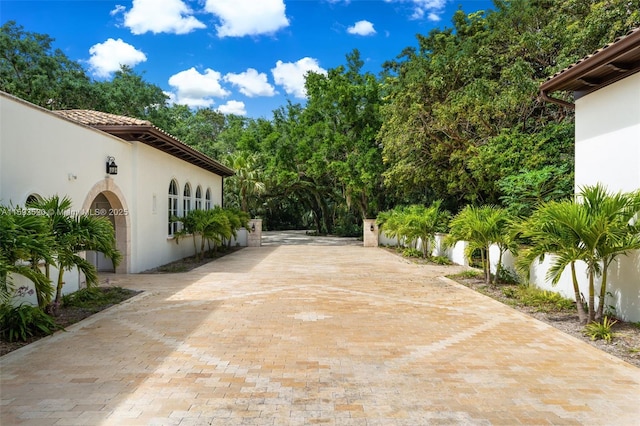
(248, 17)
(118, 9)
(195, 89)
(433, 9)
(363, 28)
(233, 107)
(160, 16)
(251, 83)
(291, 75)
(107, 57)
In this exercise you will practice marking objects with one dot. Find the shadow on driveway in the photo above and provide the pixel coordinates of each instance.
(301, 238)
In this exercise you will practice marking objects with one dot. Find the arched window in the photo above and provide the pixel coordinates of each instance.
(207, 200)
(173, 207)
(198, 198)
(186, 200)
(32, 199)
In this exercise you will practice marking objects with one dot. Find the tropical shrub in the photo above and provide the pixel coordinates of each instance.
(600, 330)
(596, 230)
(25, 240)
(214, 227)
(72, 234)
(415, 223)
(24, 321)
(482, 227)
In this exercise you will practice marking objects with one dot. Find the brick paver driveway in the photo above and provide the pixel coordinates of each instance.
(313, 335)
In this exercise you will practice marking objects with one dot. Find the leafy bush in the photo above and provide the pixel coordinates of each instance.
(468, 274)
(24, 321)
(510, 292)
(508, 276)
(600, 330)
(94, 297)
(411, 252)
(441, 260)
(543, 300)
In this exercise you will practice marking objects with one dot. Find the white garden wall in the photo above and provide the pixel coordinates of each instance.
(623, 280)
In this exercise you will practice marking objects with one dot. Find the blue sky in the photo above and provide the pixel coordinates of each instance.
(245, 57)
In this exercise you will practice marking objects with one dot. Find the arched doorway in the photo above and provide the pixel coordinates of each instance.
(109, 199)
(100, 206)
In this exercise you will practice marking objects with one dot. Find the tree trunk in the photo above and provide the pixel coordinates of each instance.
(603, 289)
(41, 301)
(60, 284)
(592, 301)
(195, 246)
(487, 265)
(582, 315)
(498, 268)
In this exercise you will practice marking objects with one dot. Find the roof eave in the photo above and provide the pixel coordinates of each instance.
(605, 57)
(158, 139)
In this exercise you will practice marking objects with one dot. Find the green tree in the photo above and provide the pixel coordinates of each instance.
(25, 239)
(75, 233)
(128, 94)
(31, 69)
(423, 223)
(616, 232)
(243, 188)
(341, 121)
(595, 230)
(482, 227)
(390, 222)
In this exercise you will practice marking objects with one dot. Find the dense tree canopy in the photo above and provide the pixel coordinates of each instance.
(454, 118)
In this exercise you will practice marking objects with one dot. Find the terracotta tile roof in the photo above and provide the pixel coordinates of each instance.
(97, 118)
(134, 129)
(613, 62)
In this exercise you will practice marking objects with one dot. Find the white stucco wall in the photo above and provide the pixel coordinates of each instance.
(608, 136)
(154, 170)
(607, 151)
(43, 154)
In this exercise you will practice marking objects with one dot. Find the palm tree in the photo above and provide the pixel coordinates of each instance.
(555, 228)
(218, 227)
(74, 233)
(237, 219)
(595, 231)
(481, 227)
(247, 181)
(390, 222)
(614, 217)
(423, 223)
(24, 237)
(193, 224)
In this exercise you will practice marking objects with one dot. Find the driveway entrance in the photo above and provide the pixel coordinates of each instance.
(299, 335)
(298, 238)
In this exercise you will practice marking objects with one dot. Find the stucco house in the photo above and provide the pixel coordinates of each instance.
(122, 167)
(606, 93)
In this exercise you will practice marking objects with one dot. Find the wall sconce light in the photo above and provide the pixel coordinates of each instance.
(112, 167)
(372, 228)
(253, 227)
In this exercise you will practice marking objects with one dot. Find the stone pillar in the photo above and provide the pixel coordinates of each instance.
(254, 233)
(370, 233)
